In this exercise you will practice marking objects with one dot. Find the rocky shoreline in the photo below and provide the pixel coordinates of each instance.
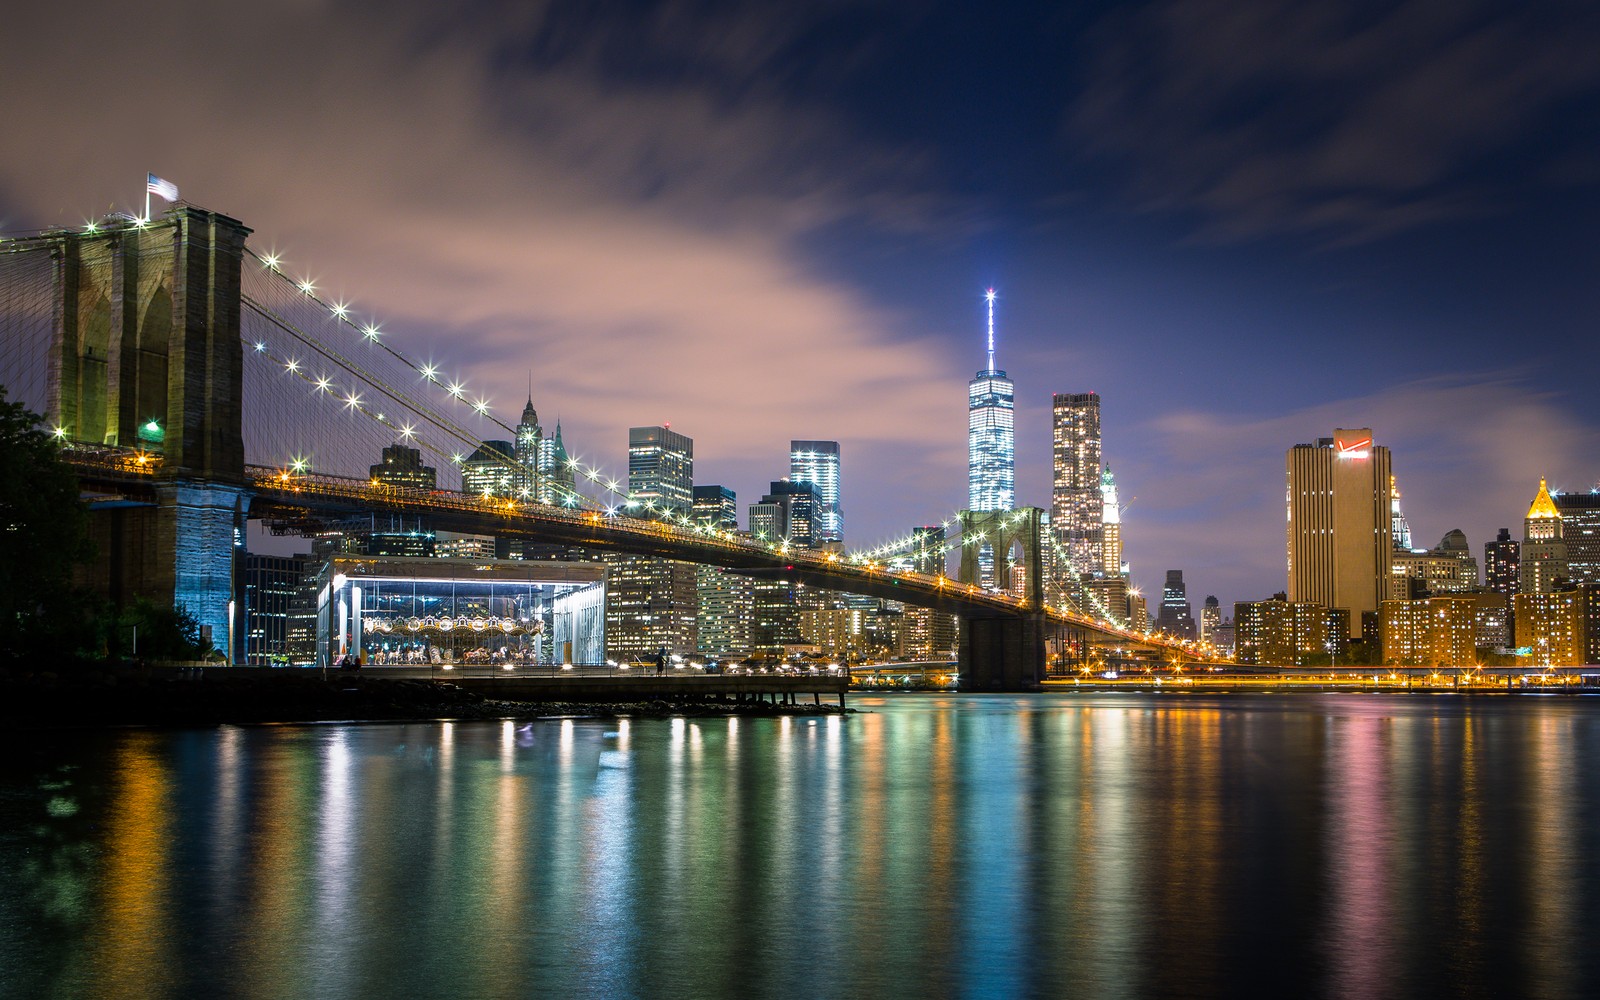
(93, 696)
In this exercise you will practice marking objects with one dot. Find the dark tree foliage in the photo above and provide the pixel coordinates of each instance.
(163, 633)
(43, 536)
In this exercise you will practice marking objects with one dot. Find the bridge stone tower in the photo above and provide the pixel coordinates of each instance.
(1004, 653)
(145, 353)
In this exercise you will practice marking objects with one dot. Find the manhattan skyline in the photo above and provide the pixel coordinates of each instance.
(1381, 220)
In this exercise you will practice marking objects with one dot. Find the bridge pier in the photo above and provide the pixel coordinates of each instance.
(145, 352)
(1002, 654)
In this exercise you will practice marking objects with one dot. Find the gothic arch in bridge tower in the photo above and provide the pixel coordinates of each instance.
(1006, 532)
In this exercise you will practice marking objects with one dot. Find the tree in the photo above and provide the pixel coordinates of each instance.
(165, 633)
(44, 535)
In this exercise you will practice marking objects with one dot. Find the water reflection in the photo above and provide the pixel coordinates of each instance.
(941, 846)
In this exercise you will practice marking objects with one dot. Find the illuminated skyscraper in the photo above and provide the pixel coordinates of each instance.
(557, 477)
(991, 442)
(1399, 530)
(529, 438)
(1544, 547)
(1580, 529)
(660, 469)
(1340, 531)
(402, 466)
(1175, 616)
(490, 470)
(817, 463)
(1077, 504)
(1111, 563)
(1502, 564)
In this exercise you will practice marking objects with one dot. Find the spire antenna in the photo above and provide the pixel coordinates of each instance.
(989, 296)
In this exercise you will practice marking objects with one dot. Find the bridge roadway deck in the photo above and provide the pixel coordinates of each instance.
(278, 493)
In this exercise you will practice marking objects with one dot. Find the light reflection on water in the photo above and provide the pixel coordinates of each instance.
(1106, 846)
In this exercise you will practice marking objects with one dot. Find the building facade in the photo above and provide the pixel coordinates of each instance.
(991, 436)
(1580, 530)
(401, 466)
(1340, 527)
(1544, 546)
(491, 470)
(817, 463)
(1436, 632)
(1077, 501)
(1176, 616)
(1502, 564)
(660, 470)
(716, 506)
(1550, 627)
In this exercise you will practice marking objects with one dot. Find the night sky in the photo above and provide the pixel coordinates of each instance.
(1243, 224)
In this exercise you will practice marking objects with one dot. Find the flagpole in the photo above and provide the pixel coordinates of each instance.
(147, 200)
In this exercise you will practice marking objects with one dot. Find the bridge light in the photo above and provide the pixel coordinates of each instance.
(371, 331)
(298, 464)
(260, 346)
(90, 227)
(59, 431)
(270, 262)
(352, 401)
(340, 310)
(429, 372)
(323, 383)
(456, 388)
(306, 286)
(292, 365)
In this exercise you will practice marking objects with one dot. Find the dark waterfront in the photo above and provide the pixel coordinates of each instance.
(1061, 845)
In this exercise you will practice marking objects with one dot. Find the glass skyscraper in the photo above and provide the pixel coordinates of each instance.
(817, 463)
(991, 442)
(660, 469)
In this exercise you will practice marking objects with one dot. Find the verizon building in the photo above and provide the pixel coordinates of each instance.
(1340, 536)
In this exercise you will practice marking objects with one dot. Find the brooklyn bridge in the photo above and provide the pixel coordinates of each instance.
(194, 386)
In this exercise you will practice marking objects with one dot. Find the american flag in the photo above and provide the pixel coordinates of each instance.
(165, 189)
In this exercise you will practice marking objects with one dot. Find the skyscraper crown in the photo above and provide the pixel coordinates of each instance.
(1543, 508)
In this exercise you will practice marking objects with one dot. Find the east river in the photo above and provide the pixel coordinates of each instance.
(1110, 845)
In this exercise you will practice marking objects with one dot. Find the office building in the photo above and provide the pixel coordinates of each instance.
(1175, 616)
(276, 609)
(817, 463)
(926, 634)
(991, 442)
(1138, 611)
(1502, 563)
(1447, 568)
(1210, 618)
(1580, 530)
(1077, 501)
(530, 438)
(1111, 562)
(716, 506)
(660, 470)
(491, 470)
(1399, 530)
(651, 604)
(401, 466)
(787, 514)
(1340, 528)
(726, 613)
(1544, 548)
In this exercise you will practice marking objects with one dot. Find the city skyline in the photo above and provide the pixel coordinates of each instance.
(657, 234)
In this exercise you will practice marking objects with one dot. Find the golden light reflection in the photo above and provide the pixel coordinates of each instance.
(134, 953)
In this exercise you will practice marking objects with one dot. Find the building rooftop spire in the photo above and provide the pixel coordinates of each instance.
(1543, 508)
(989, 297)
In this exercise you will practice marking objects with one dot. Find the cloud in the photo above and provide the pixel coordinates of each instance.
(504, 197)
(1467, 451)
(1345, 122)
